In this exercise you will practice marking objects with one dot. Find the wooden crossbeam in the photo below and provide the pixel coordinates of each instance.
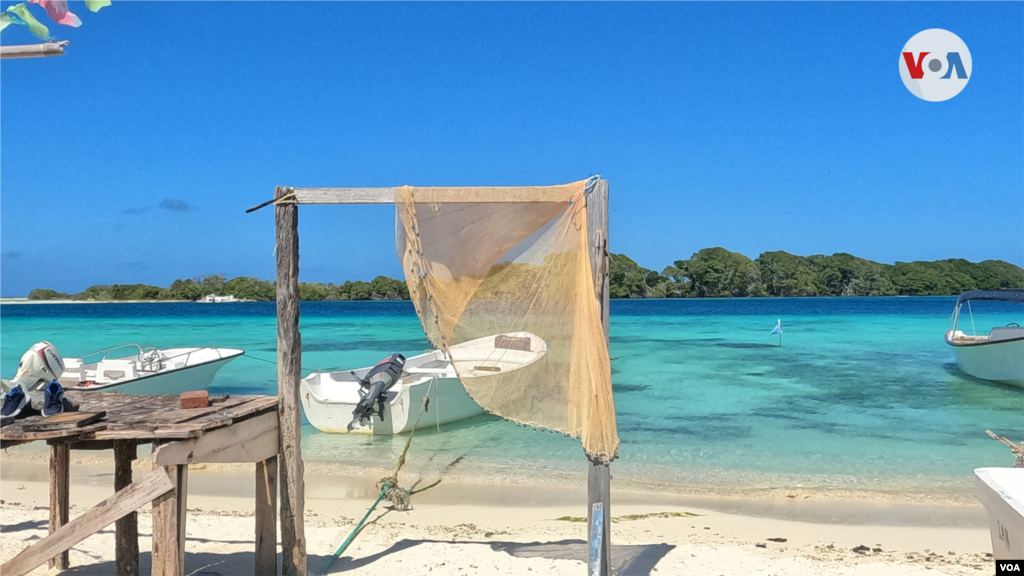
(124, 502)
(252, 440)
(432, 195)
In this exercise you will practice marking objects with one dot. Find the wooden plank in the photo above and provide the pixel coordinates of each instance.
(266, 517)
(599, 473)
(19, 434)
(289, 372)
(99, 517)
(126, 529)
(251, 440)
(434, 195)
(178, 415)
(169, 511)
(64, 421)
(60, 491)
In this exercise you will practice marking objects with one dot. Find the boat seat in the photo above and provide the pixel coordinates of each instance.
(74, 372)
(1005, 333)
(114, 370)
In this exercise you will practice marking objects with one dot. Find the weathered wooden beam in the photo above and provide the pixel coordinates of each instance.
(266, 517)
(251, 440)
(169, 513)
(100, 516)
(33, 50)
(126, 530)
(599, 473)
(425, 195)
(289, 372)
(60, 480)
(434, 195)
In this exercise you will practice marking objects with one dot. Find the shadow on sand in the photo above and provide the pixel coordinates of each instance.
(632, 560)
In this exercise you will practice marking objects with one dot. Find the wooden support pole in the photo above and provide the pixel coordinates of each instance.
(599, 473)
(169, 513)
(60, 479)
(266, 517)
(126, 530)
(289, 371)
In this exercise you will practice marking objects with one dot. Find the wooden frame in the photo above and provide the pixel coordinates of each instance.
(240, 429)
(289, 340)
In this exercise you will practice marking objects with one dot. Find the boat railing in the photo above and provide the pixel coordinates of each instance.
(106, 352)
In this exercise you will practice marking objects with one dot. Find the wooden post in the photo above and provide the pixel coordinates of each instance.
(599, 473)
(266, 517)
(126, 530)
(60, 478)
(169, 525)
(289, 371)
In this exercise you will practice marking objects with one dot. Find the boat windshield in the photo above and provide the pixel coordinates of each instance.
(985, 316)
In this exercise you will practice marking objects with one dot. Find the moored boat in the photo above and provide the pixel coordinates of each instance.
(387, 398)
(132, 369)
(998, 355)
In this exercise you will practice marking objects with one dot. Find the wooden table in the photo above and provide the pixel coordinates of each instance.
(238, 429)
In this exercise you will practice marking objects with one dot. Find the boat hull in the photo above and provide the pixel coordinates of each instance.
(196, 376)
(1001, 491)
(449, 402)
(996, 361)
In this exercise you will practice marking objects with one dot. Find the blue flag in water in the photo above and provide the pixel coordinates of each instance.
(778, 328)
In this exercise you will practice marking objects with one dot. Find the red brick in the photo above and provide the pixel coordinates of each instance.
(195, 399)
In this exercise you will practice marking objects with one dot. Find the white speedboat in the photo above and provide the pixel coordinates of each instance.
(996, 356)
(342, 402)
(133, 369)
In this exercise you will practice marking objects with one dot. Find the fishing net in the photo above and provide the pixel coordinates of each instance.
(507, 290)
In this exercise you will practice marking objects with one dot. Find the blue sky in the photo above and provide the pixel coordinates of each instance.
(750, 126)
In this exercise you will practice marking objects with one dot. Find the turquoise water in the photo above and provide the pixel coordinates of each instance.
(863, 394)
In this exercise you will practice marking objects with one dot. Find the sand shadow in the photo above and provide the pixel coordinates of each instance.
(627, 560)
(26, 525)
(196, 564)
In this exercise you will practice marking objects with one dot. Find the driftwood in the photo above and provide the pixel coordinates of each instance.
(1018, 451)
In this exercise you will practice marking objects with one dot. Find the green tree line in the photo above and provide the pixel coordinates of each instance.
(717, 273)
(243, 287)
(709, 273)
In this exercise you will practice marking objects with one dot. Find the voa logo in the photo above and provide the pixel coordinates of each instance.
(935, 65)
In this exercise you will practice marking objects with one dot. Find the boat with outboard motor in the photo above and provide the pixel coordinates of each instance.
(387, 398)
(996, 356)
(129, 368)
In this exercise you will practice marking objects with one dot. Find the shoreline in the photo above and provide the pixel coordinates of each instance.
(460, 528)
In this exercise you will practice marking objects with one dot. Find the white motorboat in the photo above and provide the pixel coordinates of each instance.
(342, 402)
(133, 369)
(996, 356)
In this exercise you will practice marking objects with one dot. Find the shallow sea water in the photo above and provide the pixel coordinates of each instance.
(863, 393)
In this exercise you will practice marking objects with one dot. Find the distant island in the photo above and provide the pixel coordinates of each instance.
(710, 273)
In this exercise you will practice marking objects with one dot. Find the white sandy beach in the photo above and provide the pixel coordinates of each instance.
(513, 529)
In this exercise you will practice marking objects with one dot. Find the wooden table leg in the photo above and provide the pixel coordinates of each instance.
(169, 525)
(266, 517)
(60, 478)
(126, 547)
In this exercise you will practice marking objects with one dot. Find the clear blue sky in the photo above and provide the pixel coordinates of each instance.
(750, 126)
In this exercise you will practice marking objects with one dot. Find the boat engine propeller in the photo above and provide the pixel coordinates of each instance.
(375, 387)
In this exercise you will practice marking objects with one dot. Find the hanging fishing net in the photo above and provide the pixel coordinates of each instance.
(508, 291)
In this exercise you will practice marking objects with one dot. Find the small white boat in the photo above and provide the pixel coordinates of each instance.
(1001, 491)
(331, 400)
(133, 369)
(996, 356)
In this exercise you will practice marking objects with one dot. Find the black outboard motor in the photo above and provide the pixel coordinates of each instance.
(378, 381)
